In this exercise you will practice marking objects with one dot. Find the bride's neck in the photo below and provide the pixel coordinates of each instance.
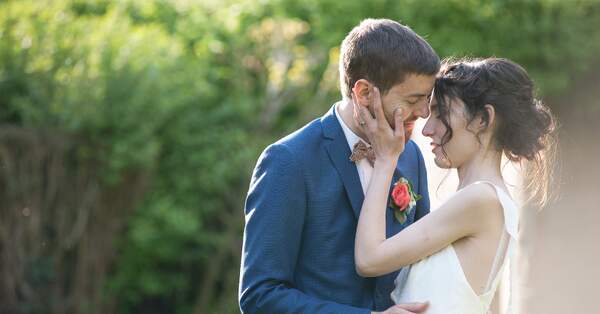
(482, 167)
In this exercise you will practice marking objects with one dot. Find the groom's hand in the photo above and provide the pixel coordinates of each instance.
(406, 308)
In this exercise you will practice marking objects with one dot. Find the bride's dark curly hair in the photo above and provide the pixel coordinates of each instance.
(524, 129)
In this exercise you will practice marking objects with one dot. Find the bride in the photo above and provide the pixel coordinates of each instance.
(454, 256)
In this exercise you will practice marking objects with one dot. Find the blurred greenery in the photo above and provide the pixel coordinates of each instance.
(190, 92)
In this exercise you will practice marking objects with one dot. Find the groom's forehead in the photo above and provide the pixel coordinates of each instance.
(415, 86)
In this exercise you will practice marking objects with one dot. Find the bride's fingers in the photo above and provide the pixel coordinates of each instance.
(399, 122)
(362, 114)
(365, 117)
(378, 108)
(371, 123)
(355, 111)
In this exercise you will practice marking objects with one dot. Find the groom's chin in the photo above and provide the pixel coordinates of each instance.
(407, 135)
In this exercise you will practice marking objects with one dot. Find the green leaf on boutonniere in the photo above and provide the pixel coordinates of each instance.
(400, 216)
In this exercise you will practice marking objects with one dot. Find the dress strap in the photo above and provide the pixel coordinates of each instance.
(508, 238)
(499, 259)
(509, 207)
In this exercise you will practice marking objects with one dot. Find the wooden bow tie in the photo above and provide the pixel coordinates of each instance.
(360, 151)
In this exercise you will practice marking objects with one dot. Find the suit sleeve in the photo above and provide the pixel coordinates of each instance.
(274, 213)
(423, 204)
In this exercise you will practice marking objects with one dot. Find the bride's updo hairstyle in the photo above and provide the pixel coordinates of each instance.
(524, 128)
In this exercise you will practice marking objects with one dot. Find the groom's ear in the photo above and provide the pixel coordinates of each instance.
(362, 91)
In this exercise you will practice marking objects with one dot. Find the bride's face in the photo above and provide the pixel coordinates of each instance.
(462, 146)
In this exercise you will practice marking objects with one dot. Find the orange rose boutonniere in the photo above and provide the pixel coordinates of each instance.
(403, 199)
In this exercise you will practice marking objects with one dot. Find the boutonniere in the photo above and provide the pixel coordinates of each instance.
(403, 199)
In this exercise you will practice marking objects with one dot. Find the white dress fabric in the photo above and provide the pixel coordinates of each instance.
(440, 279)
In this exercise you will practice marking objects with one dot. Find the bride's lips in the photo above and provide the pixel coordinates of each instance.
(434, 146)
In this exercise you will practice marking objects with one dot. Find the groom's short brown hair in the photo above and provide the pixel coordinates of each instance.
(383, 52)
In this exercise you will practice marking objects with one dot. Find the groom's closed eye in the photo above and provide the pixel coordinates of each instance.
(414, 99)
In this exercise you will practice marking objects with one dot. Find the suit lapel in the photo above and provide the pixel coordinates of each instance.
(339, 153)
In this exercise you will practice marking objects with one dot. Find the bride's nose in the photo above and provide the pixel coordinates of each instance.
(428, 128)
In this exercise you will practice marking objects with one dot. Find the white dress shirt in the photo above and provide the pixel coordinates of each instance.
(363, 166)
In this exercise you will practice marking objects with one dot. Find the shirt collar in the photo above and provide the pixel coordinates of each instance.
(351, 137)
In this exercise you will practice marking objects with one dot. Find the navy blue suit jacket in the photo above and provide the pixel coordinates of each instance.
(301, 213)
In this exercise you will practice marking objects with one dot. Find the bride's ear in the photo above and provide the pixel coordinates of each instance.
(487, 118)
(362, 92)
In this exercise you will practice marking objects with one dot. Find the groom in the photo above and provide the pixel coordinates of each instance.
(306, 194)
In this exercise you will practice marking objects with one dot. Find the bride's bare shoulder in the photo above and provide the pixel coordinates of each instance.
(477, 200)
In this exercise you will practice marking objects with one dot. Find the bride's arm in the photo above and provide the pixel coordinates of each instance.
(459, 217)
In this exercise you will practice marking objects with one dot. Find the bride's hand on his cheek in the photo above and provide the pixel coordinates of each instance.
(387, 143)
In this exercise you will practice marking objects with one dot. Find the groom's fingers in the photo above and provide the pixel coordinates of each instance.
(413, 307)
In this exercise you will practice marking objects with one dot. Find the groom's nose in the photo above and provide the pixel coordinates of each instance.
(422, 111)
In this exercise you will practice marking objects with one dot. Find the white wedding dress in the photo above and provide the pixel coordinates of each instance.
(440, 279)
